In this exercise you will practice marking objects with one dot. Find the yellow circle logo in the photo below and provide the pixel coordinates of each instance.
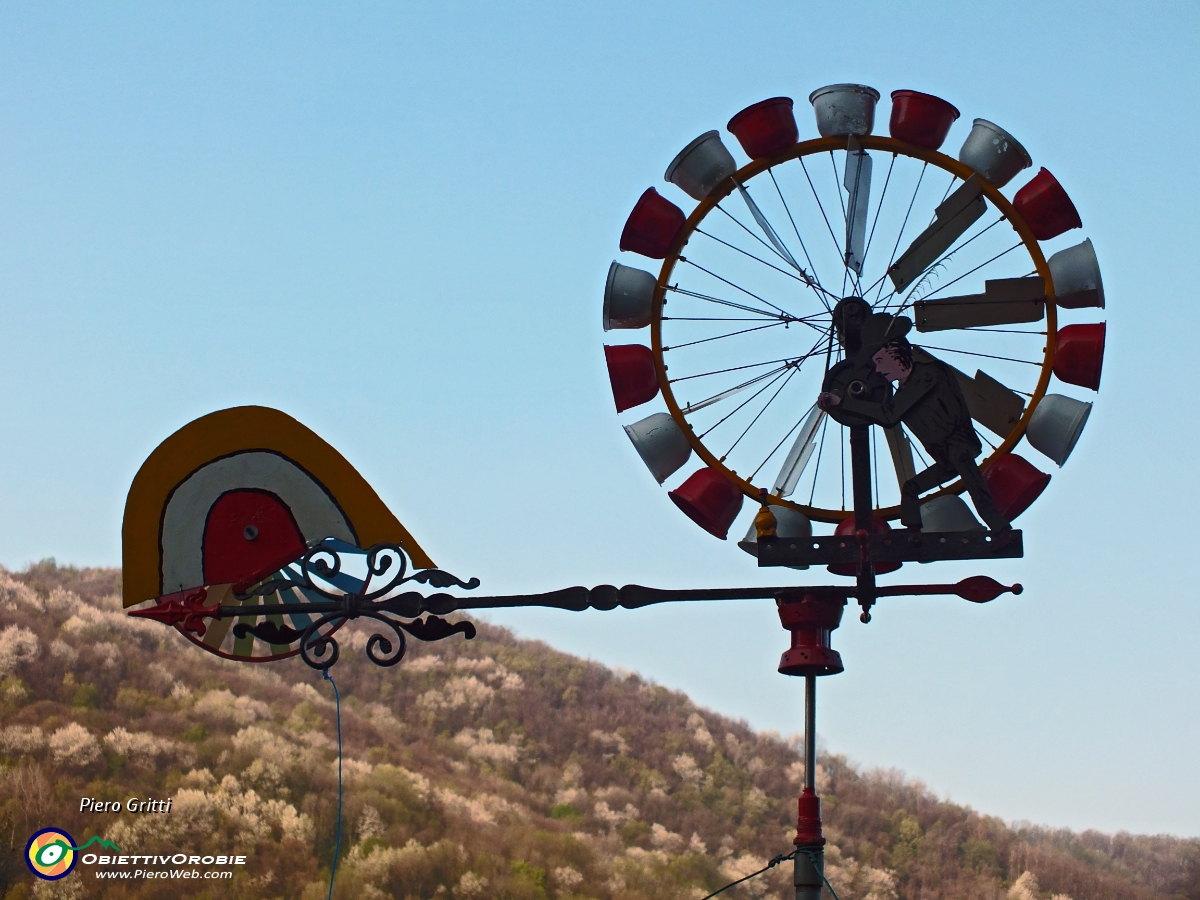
(50, 854)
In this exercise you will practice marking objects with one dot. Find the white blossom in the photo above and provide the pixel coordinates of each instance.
(1024, 888)
(109, 653)
(266, 745)
(353, 768)
(370, 824)
(612, 817)
(422, 664)
(63, 601)
(63, 651)
(566, 877)
(143, 748)
(739, 867)
(15, 594)
(482, 809)
(470, 885)
(73, 745)
(700, 732)
(481, 745)
(17, 645)
(223, 706)
(688, 769)
(664, 839)
(456, 693)
(610, 741)
(17, 740)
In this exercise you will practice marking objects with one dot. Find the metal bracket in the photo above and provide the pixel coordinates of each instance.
(894, 546)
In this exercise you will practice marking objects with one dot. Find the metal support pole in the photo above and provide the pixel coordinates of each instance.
(860, 477)
(810, 733)
(810, 843)
(864, 519)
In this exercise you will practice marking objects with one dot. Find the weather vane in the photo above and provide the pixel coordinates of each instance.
(813, 329)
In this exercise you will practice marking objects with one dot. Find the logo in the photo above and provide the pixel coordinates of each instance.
(50, 854)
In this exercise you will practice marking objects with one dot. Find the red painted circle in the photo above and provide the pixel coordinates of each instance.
(248, 533)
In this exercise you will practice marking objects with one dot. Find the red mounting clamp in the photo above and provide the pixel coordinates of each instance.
(808, 820)
(810, 617)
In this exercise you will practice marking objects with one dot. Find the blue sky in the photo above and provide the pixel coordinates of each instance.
(394, 223)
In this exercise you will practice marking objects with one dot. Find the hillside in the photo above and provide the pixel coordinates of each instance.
(475, 769)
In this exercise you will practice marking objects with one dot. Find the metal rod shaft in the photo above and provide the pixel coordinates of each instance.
(810, 732)
(860, 475)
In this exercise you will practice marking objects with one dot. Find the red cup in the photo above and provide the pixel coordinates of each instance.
(921, 119)
(710, 500)
(632, 375)
(1045, 207)
(766, 127)
(653, 225)
(1014, 484)
(1079, 354)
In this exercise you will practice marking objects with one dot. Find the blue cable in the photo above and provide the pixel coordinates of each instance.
(337, 849)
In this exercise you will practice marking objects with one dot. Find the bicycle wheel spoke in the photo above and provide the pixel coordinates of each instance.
(710, 299)
(771, 362)
(779, 251)
(847, 272)
(795, 363)
(754, 421)
(768, 229)
(803, 248)
(899, 236)
(953, 217)
(836, 181)
(775, 449)
(945, 194)
(829, 350)
(737, 287)
(776, 245)
(785, 321)
(751, 255)
(720, 337)
(878, 209)
(782, 317)
(729, 392)
(939, 265)
(725, 418)
(821, 207)
(988, 262)
(917, 446)
(989, 330)
(1027, 362)
(817, 468)
(797, 459)
(813, 351)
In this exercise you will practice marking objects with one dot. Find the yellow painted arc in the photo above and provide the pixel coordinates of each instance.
(238, 430)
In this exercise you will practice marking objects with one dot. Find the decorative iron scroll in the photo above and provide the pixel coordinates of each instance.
(325, 596)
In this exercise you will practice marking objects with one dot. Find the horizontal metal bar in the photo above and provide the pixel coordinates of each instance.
(607, 596)
(895, 546)
(602, 597)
